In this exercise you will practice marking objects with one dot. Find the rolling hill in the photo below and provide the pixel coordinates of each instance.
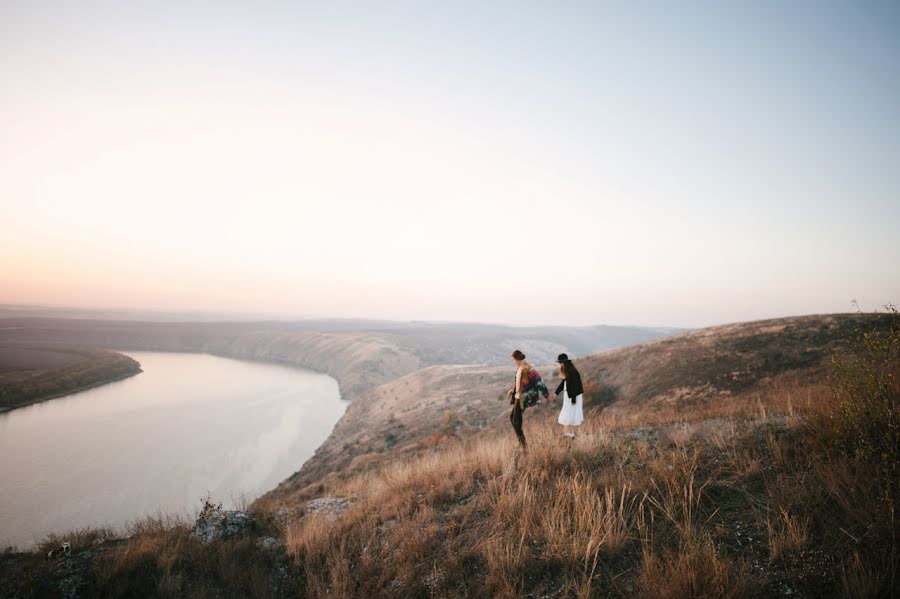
(360, 354)
(725, 368)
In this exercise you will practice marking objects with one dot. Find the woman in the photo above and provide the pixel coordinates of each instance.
(572, 413)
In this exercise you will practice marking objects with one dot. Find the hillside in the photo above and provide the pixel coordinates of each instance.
(696, 479)
(723, 362)
(725, 367)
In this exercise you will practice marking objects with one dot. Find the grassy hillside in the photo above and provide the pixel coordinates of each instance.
(728, 369)
(690, 483)
(720, 363)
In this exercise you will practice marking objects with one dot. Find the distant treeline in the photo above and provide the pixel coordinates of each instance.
(95, 368)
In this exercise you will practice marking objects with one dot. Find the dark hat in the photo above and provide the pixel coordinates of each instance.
(562, 358)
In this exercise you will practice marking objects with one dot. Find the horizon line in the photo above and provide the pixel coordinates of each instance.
(231, 316)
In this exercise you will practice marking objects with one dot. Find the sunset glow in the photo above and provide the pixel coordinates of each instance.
(505, 165)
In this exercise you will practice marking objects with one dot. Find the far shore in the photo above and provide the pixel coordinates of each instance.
(43, 374)
(72, 391)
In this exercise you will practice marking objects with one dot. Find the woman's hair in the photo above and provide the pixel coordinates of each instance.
(569, 369)
(518, 355)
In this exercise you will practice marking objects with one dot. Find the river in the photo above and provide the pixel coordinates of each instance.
(158, 442)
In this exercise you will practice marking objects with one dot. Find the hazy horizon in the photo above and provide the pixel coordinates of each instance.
(573, 164)
(200, 315)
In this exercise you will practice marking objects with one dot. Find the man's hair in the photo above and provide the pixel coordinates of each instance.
(518, 355)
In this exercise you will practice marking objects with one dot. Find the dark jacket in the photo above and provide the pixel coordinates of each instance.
(574, 388)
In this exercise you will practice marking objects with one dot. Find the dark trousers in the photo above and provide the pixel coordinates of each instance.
(516, 418)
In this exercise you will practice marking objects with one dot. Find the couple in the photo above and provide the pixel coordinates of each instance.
(528, 387)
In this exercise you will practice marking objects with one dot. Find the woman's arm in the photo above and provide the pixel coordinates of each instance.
(576, 388)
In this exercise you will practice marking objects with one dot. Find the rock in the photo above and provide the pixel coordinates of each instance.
(269, 544)
(72, 573)
(332, 507)
(222, 524)
(285, 516)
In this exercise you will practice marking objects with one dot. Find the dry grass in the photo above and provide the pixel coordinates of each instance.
(161, 559)
(741, 495)
(713, 502)
(479, 519)
(693, 570)
(789, 533)
(703, 506)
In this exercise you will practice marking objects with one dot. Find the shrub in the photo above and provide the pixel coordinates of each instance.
(864, 413)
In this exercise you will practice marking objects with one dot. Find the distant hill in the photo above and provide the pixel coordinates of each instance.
(359, 354)
(724, 361)
(728, 366)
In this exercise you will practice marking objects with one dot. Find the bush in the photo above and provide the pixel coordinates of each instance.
(864, 413)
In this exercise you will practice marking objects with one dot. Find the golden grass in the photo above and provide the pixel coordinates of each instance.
(736, 497)
(501, 520)
(694, 570)
(677, 509)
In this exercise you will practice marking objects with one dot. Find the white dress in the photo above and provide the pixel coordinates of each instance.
(571, 414)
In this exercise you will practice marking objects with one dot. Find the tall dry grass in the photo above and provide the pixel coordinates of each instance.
(482, 519)
(735, 498)
(746, 496)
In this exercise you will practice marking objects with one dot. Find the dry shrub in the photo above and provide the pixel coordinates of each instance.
(78, 539)
(325, 548)
(863, 419)
(855, 445)
(695, 570)
(153, 553)
(161, 559)
(581, 520)
(861, 579)
(678, 492)
(787, 534)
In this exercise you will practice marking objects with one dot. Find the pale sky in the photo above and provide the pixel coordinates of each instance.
(665, 163)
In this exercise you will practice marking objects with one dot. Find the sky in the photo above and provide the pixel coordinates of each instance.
(662, 164)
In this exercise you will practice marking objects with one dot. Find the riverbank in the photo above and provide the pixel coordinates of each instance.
(32, 375)
(190, 425)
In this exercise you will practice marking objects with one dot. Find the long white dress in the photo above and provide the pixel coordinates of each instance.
(571, 414)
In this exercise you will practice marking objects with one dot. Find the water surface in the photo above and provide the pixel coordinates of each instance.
(157, 442)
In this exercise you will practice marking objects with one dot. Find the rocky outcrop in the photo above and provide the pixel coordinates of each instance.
(331, 507)
(214, 524)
